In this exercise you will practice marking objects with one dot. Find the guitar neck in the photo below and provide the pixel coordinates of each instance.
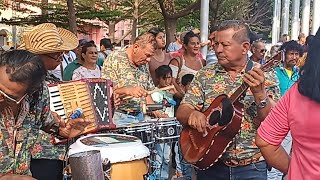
(239, 92)
(271, 63)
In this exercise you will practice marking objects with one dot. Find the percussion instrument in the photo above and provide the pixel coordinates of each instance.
(86, 165)
(93, 96)
(126, 153)
(166, 130)
(144, 131)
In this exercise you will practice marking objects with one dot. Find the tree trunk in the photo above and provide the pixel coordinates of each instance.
(171, 27)
(135, 20)
(112, 30)
(44, 4)
(72, 17)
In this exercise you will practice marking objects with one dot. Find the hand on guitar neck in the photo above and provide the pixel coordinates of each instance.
(255, 79)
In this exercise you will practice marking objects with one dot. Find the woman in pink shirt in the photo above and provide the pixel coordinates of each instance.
(297, 111)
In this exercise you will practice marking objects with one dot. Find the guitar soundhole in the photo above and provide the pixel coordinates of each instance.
(214, 117)
(227, 112)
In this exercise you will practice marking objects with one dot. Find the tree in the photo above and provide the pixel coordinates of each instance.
(172, 10)
(72, 17)
(256, 13)
(58, 14)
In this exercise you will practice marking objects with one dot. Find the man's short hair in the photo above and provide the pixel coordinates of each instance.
(213, 28)
(256, 42)
(242, 33)
(106, 42)
(144, 39)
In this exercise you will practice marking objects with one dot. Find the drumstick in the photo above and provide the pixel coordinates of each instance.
(161, 89)
(153, 91)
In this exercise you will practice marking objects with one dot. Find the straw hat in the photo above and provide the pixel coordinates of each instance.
(47, 38)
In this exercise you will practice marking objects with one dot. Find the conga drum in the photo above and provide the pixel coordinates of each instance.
(127, 154)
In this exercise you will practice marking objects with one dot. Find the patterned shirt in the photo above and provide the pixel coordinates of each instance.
(214, 80)
(123, 73)
(15, 155)
(44, 147)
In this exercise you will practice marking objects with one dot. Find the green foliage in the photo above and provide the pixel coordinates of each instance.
(1, 4)
(188, 22)
(257, 13)
(58, 13)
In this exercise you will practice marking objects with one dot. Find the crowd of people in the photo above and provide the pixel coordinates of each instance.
(280, 106)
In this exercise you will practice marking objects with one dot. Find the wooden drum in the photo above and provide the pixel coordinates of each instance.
(126, 153)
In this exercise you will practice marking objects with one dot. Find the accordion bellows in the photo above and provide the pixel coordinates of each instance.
(93, 96)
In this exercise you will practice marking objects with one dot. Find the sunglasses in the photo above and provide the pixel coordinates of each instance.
(263, 50)
(10, 99)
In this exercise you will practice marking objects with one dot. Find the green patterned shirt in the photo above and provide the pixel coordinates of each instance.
(44, 147)
(213, 80)
(15, 155)
(123, 73)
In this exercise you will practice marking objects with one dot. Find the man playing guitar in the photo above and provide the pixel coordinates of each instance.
(242, 159)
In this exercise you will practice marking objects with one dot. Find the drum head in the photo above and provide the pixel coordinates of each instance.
(115, 147)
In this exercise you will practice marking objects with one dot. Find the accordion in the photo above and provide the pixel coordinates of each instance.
(93, 96)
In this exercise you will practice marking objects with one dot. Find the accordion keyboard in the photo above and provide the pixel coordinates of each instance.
(55, 101)
(93, 96)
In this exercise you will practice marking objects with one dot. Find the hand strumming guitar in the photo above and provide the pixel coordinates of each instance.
(198, 120)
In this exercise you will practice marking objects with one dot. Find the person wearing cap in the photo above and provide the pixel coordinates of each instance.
(68, 71)
(49, 43)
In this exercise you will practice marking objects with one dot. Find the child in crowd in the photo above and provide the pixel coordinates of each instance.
(164, 77)
(183, 169)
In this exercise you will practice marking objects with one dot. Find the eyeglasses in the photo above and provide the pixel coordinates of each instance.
(10, 99)
(263, 50)
(56, 57)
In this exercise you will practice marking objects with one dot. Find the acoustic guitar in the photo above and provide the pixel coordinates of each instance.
(224, 117)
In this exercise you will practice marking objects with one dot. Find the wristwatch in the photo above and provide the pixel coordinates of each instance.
(263, 103)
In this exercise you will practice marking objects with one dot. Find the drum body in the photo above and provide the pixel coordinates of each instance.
(167, 130)
(144, 131)
(126, 153)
